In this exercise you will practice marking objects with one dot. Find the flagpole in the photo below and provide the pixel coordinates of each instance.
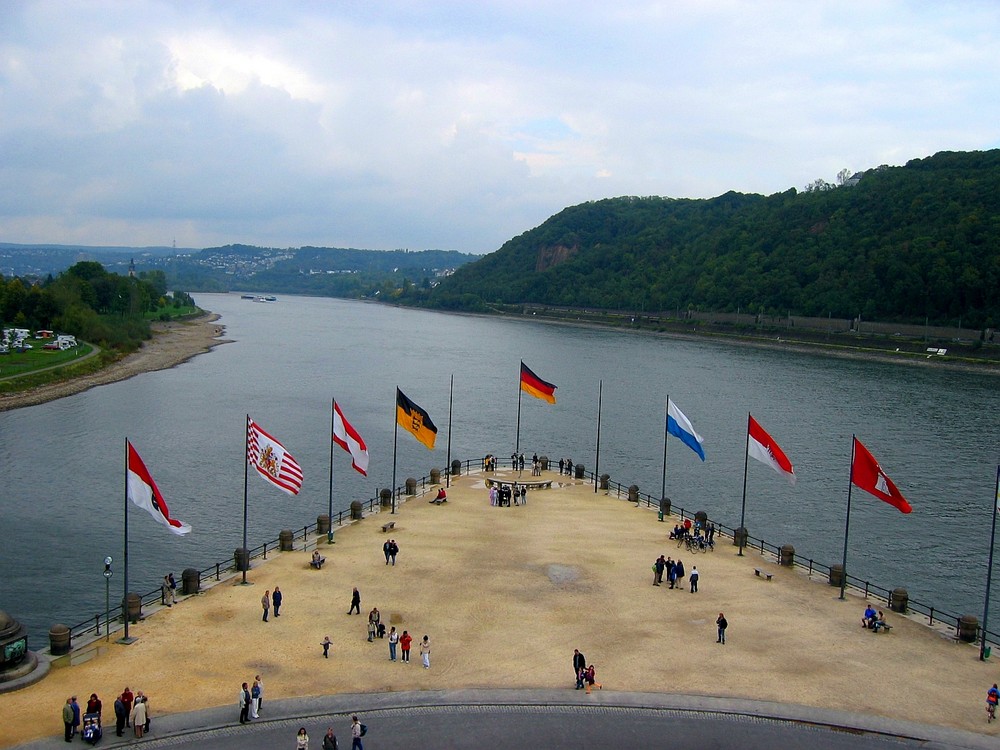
(125, 639)
(663, 479)
(246, 463)
(743, 509)
(847, 525)
(989, 567)
(395, 439)
(451, 401)
(517, 438)
(597, 459)
(329, 528)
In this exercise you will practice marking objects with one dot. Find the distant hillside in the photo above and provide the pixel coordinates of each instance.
(904, 243)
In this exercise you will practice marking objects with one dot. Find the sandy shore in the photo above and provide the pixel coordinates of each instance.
(172, 343)
(505, 595)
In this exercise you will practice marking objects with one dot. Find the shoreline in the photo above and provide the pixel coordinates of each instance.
(172, 344)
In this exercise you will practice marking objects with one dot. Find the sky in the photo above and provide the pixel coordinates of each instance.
(458, 125)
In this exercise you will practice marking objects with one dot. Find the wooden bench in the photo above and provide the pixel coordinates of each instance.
(882, 626)
(388, 525)
(758, 572)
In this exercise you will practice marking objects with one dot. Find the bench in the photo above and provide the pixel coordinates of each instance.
(531, 485)
(387, 526)
(882, 626)
(758, 572)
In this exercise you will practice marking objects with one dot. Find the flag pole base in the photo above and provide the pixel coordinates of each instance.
(127, 641)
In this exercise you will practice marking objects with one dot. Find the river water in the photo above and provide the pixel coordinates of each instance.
(935, 432)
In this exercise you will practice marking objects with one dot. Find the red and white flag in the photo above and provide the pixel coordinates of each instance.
(271, 460)
(867, 475)
(142, 490)
(763, 447)
(348, 438)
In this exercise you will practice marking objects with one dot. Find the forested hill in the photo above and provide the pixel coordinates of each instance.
(904, 243)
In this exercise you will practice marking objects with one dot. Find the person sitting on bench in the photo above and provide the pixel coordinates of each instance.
(868, 621)
(317, 560)
(442, 497)
(880, 623)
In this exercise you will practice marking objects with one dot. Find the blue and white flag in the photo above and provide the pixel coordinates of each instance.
(680, 427)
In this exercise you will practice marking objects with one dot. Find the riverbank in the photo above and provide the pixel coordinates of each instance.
(505, 595)
(172, 343)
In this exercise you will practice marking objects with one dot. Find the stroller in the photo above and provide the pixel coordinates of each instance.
(92, 731)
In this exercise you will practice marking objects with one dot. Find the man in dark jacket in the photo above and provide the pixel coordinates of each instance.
(121, 715)
(579, 664)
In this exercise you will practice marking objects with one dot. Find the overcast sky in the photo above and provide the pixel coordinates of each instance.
(458, 125)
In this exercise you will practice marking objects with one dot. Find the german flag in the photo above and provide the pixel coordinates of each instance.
(412, 418)
(531, 383)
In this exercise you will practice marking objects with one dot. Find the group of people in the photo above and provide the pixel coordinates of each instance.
(131, 710)
(503, 494)
(390, 549)
(586, 674)
(251, 699)
(271, 599)
(168, 590)
(358, 730)
(674, 571)
(376, 629)
(872, 620)
(567, 465)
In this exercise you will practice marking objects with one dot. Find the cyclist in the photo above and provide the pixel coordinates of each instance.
(992, 696)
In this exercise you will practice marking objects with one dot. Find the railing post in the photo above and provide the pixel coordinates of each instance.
(217, 577)
(265, 550)
(97, 626)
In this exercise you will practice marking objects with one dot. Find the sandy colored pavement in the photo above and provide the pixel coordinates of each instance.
(506, 594)
(172, 343)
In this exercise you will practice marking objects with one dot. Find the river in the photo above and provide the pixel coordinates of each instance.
(934, 431)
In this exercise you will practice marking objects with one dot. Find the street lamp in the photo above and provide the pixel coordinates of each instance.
(107, 597)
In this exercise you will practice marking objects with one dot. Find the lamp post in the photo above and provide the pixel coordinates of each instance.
(107, 597)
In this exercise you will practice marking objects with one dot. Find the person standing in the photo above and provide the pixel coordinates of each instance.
(393, 640)
(265, 603)
(166, 593)
(302, 739)
(404, 643)
(658, 567)
(579, 664)
(276, 601)
(254, 700)
(355, 602)
(524, 494)
(121, 715)
(260, 689)
(244, 704)
(139, 717)
(326, 647)
(671, 571)
(356, 734)
(425, 652)
(722, 624)
(693, 578)
(329, 740)
(679, 574)
(386, 550)
(127, 699)
(76, 714)
(68, 719)
(94, 705)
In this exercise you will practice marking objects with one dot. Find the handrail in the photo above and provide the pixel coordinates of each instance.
(470, 466)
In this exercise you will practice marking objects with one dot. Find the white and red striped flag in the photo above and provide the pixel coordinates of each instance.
(142, 490)
(271, 460)
(763, 447)
(348, 438)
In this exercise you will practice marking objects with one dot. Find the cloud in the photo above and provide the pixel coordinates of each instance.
(456, 125)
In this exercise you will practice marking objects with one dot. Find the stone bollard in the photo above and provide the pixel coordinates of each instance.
(898, 600)
(633, 494)
(133, 605)
(786, 555)
(836, 574)
(544, 461)
(605, 481)
(740, 537)
(664, 507)
(356, 508)
(411, 486)
(190, 581)
(701, 519)
(385, 498)
(59, 640)
(286, 540)
(322, 524)
(456, 468)
(579, 471)
(435, 476)
(242, 558)
(968, 628)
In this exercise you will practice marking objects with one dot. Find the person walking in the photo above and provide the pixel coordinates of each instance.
(425, 652)
(67, 714)
(326, 647)
(265, 603)
(579, 664)
(121, 715)
(329, 740)
(404, 643)
(394, 549)
(276, 601)
(387, 550)
(356, 734)
(302, 738)
(244, 704)
(590, 676)
(393, 640)
(355, 602)
(693, 578)
(722, 624)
